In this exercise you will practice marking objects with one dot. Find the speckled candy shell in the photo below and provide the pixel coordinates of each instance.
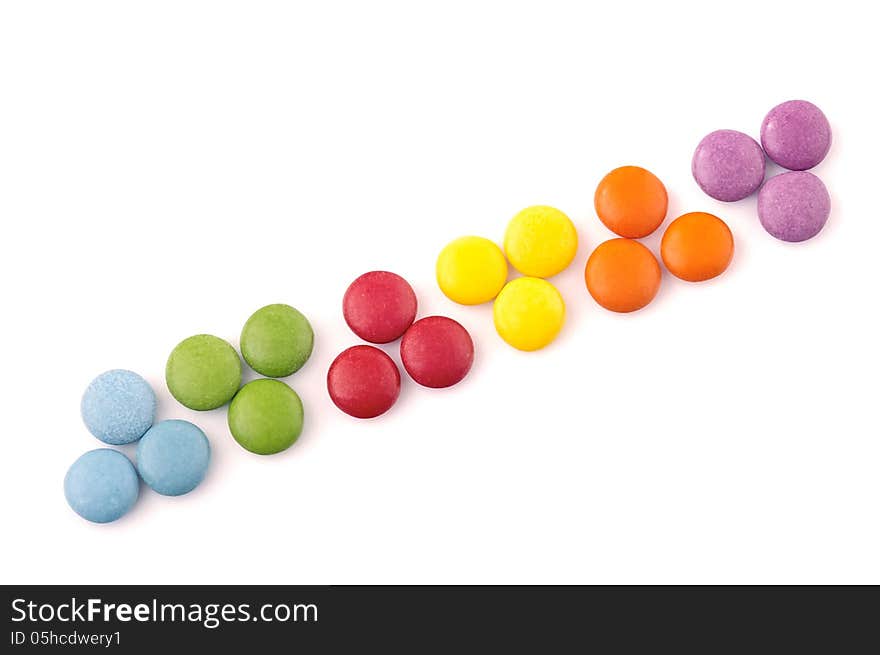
(728, 165)
(796, 135)
(118, 407)
(794, 206)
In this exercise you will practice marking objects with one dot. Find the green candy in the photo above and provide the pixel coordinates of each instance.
(276, 340)
(266, 416)
(203, 372)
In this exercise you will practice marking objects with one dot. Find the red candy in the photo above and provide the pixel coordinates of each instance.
(437, 352)
(363, 381)
(379, 306)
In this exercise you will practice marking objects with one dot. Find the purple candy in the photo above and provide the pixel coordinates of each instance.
(796, 135)
(794, 206)
(728, 165)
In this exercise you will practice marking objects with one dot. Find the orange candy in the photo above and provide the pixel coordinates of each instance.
(631, 202)
(622, 275)
(697, 246)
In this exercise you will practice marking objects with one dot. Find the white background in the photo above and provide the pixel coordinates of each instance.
(166, 168)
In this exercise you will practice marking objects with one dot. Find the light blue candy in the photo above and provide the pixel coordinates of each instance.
(118, 407)
(101, 485)
(173, 457)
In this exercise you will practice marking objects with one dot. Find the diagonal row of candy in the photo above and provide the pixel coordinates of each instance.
(622, 275)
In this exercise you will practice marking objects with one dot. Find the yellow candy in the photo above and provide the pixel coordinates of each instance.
(471, 270)
(529, 313)
(540, 241)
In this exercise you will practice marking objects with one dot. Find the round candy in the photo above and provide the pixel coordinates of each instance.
(101, 485)
(471, 270)
(379, 306)
(437, 352)
(276, 340)
(540, 241)
(363, 382)
(173, 457)
(728, 165)
(203, 372)
(622, 275)
(796, 135)
(794, 206)
(118, 407)
(631, 201)
(529, 313)
(266, 416)
(697, 246)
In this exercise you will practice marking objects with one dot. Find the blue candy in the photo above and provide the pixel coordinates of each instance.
(118, 407)
(173, 457)
(101, 485)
